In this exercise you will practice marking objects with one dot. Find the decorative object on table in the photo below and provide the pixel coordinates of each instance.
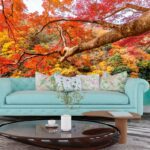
(51, 124)
(96, 135)
(66, 123)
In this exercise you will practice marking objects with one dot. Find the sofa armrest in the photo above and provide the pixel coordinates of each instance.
(135, 89)
(5, 89)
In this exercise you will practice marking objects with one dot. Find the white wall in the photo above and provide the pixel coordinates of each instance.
(146, 109)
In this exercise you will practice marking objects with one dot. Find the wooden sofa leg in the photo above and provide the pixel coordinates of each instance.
(122, 125)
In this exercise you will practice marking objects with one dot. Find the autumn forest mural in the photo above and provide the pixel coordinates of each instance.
(74, 37)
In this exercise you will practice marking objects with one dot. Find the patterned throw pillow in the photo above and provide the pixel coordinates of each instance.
(44, 82)
(90, 82)
(114, 82)
(67, 83)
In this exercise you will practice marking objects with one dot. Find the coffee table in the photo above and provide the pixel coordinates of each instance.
(121, 122)
(85, 135)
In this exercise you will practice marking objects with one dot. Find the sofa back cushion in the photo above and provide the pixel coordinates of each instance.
(44, 82)
(114, 82)
(21, 84)
(89, 82)
(67, 83)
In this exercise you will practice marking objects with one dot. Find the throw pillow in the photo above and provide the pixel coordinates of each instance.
(90, 82)
(114, 82)
(44, 82)
(67, 83)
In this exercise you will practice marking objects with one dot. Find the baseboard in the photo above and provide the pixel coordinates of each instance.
(146, 109)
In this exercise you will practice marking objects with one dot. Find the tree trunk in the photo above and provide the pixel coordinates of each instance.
(133, 28)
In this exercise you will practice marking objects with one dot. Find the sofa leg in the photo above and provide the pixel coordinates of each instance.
(122, 125)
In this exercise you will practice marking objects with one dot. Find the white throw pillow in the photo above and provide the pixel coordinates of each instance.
(67, 83)
(44, 82)
(90, 82)
(114, 82)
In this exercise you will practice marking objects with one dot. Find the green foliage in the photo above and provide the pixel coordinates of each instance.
(107, 47)
(148, 51)
(120, 69)
(47, 38)
(85, 69)
(144, 69)
(115, 60)
(70, 98)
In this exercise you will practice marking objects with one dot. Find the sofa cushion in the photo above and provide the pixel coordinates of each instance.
(104, 97)
(51, 97)
(67, 83)
(33, 98)
(114, 82)
(90, 82)
(20, 84)
(44, 82)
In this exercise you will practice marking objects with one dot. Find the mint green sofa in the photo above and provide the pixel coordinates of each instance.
(18, 97)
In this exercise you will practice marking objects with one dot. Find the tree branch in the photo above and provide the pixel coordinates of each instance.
(135, 7)
(7, 20)
(104, 23)
(61, 35)
(12, 8)
(133, 28)
(101, 22)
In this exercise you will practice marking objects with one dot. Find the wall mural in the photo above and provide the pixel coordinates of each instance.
(74, 36)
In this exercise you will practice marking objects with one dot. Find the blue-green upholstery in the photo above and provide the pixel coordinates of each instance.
(51, 98)
(18, 97)
(147, 98)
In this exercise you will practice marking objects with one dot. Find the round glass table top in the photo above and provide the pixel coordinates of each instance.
(37, 129)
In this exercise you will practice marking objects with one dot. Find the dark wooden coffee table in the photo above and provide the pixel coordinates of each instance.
(85, 135)
(120, 122)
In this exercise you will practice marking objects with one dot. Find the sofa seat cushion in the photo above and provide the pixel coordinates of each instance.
(33, 98)
(104, 98)
(51, 97)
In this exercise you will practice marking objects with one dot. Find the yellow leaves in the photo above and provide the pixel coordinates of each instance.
(57, 65)
(8, 46)
(6, 49)
(100, 72)
(66, 71)
(57, 69)
(22, 42)
(4, 37)
(130, 62)
(103, 65)
(109, 69)
(17, 74)
(101, 68)
(70, 71)
(145, 63)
